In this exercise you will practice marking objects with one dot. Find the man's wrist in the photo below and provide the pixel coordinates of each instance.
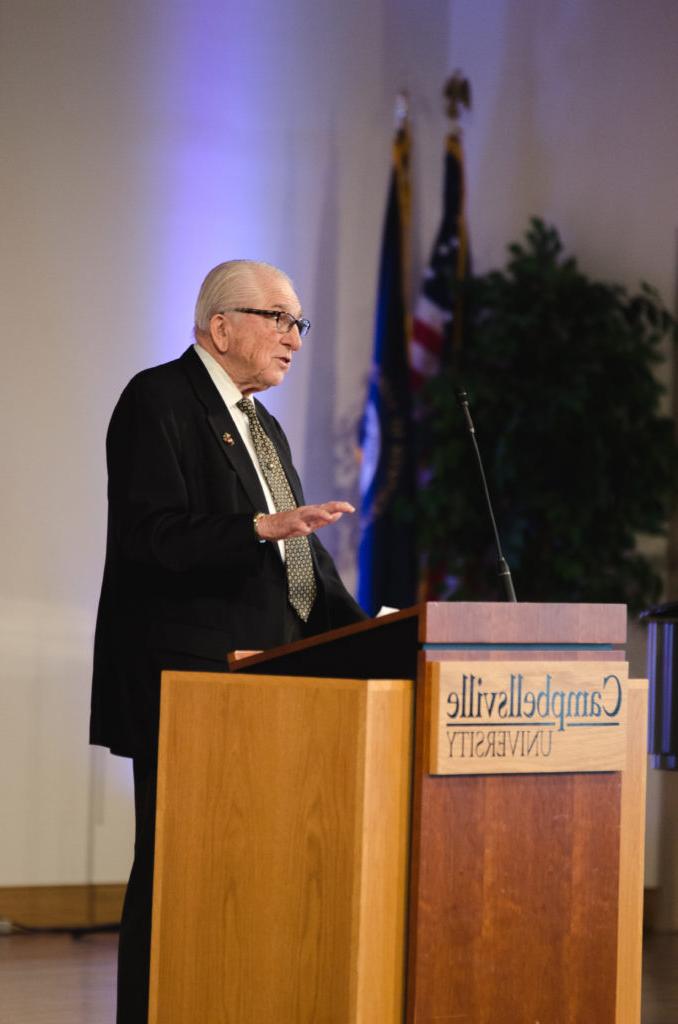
(255, 523)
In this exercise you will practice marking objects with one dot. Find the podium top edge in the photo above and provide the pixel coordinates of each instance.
(365, 626)
(477, 622)
(522, 622)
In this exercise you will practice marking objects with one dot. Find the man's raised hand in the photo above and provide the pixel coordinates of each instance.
(301, 521)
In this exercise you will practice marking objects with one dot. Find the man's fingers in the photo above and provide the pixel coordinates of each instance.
(338, 506)
(322, 517)
(309, 522)
(299, 522)
(317, 516)
(327, 508)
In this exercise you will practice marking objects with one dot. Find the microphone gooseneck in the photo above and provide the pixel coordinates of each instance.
(503, 570)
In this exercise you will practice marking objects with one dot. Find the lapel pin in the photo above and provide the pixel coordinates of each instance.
(228, 439)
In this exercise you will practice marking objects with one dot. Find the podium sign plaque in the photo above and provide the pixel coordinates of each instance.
(536, 716)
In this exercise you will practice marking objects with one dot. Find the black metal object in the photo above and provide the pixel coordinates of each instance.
(662, 670)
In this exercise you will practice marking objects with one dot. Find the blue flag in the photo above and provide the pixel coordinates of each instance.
(386, 557)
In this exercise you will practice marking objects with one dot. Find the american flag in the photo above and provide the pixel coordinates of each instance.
(438, 316)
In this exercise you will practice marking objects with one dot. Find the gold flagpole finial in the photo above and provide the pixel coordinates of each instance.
(402, 111)
(457, 93)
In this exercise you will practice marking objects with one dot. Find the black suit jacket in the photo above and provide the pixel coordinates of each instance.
(185, 579)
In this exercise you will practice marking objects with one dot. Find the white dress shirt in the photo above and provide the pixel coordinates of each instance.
(231, 396)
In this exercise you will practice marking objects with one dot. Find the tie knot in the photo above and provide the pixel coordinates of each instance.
(246, 405)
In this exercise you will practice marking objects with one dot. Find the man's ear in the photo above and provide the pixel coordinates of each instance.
(220, 332)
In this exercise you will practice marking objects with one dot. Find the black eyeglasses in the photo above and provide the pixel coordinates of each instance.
(284, 322)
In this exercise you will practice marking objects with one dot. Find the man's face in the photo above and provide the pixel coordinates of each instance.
(258, 356)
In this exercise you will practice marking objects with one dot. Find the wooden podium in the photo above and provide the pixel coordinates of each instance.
(434, 818)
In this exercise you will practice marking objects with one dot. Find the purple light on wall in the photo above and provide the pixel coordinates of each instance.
(218, 148)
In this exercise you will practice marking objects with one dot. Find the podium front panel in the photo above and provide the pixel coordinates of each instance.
(281, 850)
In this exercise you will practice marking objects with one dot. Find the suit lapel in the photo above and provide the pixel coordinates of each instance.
(235, 451)
(223, 427)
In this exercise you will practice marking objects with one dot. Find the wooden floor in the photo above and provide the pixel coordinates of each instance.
(660, 979)
(52, 979)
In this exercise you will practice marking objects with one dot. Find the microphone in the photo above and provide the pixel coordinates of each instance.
(502, 565)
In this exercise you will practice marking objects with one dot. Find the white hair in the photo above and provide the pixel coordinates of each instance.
(233, 283)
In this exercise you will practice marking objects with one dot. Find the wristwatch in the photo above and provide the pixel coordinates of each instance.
(255, 521)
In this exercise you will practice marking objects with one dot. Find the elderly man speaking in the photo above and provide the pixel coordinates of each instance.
(210, 545)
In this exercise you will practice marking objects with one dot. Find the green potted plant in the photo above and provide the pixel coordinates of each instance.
(559, 369)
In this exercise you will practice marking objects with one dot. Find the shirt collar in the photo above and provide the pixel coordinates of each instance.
(223, 383)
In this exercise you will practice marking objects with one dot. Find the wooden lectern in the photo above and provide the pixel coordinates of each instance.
(435, 817)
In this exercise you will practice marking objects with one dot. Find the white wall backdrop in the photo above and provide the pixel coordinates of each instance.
(142, 143)
(575, 119)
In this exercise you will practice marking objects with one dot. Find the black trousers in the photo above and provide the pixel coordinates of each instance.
(134, 947)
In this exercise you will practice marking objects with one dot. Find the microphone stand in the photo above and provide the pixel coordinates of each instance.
(502, 565)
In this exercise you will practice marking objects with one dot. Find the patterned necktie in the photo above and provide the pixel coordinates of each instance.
(301, 587)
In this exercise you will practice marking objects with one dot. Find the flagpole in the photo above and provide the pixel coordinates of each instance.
(401, 160)
(457, 93)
